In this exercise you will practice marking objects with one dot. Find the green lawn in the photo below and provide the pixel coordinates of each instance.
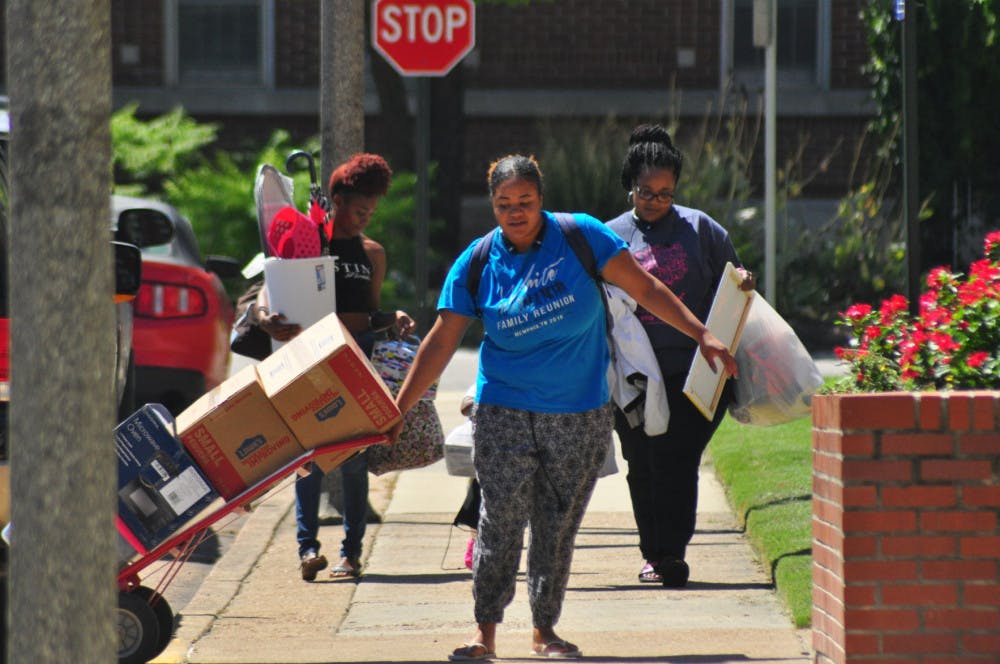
(767, 472)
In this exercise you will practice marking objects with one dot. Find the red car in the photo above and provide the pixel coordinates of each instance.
(183, 316)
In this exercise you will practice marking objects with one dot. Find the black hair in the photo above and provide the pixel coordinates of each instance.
(514, 166)
(650, 146)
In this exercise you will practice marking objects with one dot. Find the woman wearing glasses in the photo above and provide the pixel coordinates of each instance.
(686, 250)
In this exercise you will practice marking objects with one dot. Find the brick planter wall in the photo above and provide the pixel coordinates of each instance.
(906, 534)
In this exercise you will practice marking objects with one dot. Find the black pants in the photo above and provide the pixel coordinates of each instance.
(663, 472)
(468, 515)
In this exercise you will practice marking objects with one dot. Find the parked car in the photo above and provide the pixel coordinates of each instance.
(155, 227)
(183, 314)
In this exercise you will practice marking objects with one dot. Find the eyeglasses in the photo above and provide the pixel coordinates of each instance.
(644, 194)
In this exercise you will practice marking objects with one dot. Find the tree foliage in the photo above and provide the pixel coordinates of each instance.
(167, 158)
(217, 196)
(958, 98)
(146, 151)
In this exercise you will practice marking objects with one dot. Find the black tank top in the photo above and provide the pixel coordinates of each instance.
(353, 277)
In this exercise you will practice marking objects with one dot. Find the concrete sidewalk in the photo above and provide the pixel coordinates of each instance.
(414, 602)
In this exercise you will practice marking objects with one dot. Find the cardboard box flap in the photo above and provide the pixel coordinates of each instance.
(325, 388)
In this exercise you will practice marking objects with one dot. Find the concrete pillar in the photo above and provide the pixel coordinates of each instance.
(341, 82)
(62, 564)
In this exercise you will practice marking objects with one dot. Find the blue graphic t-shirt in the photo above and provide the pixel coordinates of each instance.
(545, 347)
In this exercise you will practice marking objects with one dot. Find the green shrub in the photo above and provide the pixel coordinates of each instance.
(144, 152)
(393, 226)
(217, 196)
(582, 166)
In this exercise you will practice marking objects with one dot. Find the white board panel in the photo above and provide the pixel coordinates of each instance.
(725, 320)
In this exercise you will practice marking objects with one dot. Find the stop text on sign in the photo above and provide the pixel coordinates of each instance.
(423, 37)
(421, 23)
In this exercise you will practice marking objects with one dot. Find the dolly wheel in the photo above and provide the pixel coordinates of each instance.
(164, 616)
(138, 629)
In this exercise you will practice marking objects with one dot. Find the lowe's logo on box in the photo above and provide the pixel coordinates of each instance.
(331, 409)
(249, 446)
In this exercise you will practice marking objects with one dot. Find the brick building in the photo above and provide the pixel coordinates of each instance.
(253, 66)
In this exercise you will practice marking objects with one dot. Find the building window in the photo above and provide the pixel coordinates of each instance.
(803, 34)
(219, 42)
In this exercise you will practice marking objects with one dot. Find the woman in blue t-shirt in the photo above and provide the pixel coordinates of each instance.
(542, 420)
(686, 250)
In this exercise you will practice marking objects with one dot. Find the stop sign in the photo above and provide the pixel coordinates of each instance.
(423, 37)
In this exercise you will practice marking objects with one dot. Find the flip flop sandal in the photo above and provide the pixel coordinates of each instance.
(346, 569)
(471, 652)
(648, 574)
(558, 649)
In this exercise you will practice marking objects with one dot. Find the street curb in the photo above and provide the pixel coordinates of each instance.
(227, 575)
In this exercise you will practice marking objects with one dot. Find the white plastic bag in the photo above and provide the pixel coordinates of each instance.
(777, 376)
(458, 451)
(610, 466)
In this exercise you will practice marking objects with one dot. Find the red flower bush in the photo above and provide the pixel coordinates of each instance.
(952, 344)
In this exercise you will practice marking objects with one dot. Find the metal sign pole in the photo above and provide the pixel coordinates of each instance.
(421, 222)
(911, 152)
(765, 36)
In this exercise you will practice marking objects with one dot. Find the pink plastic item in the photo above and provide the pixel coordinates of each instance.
(469, 550)
(292, 234)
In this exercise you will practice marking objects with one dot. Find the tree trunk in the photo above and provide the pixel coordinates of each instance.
(62, 582)
(342, 82)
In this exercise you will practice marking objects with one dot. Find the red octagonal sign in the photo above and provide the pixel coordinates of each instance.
(423, 37)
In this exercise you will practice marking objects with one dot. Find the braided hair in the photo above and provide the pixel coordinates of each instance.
(649, 147)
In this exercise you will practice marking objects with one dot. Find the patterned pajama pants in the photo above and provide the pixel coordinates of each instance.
(539, 470)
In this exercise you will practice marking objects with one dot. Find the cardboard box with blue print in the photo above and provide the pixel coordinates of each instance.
(235, 434)
(160, 488)
(325, 388)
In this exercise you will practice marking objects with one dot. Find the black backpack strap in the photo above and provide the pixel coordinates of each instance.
(585, 254)
(578, 243)
(477, 263)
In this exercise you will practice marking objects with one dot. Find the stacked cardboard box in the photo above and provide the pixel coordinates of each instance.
(235, 435)
(325, 388)
(317, 389)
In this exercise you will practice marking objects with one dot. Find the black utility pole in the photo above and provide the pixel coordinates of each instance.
(907, 17)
